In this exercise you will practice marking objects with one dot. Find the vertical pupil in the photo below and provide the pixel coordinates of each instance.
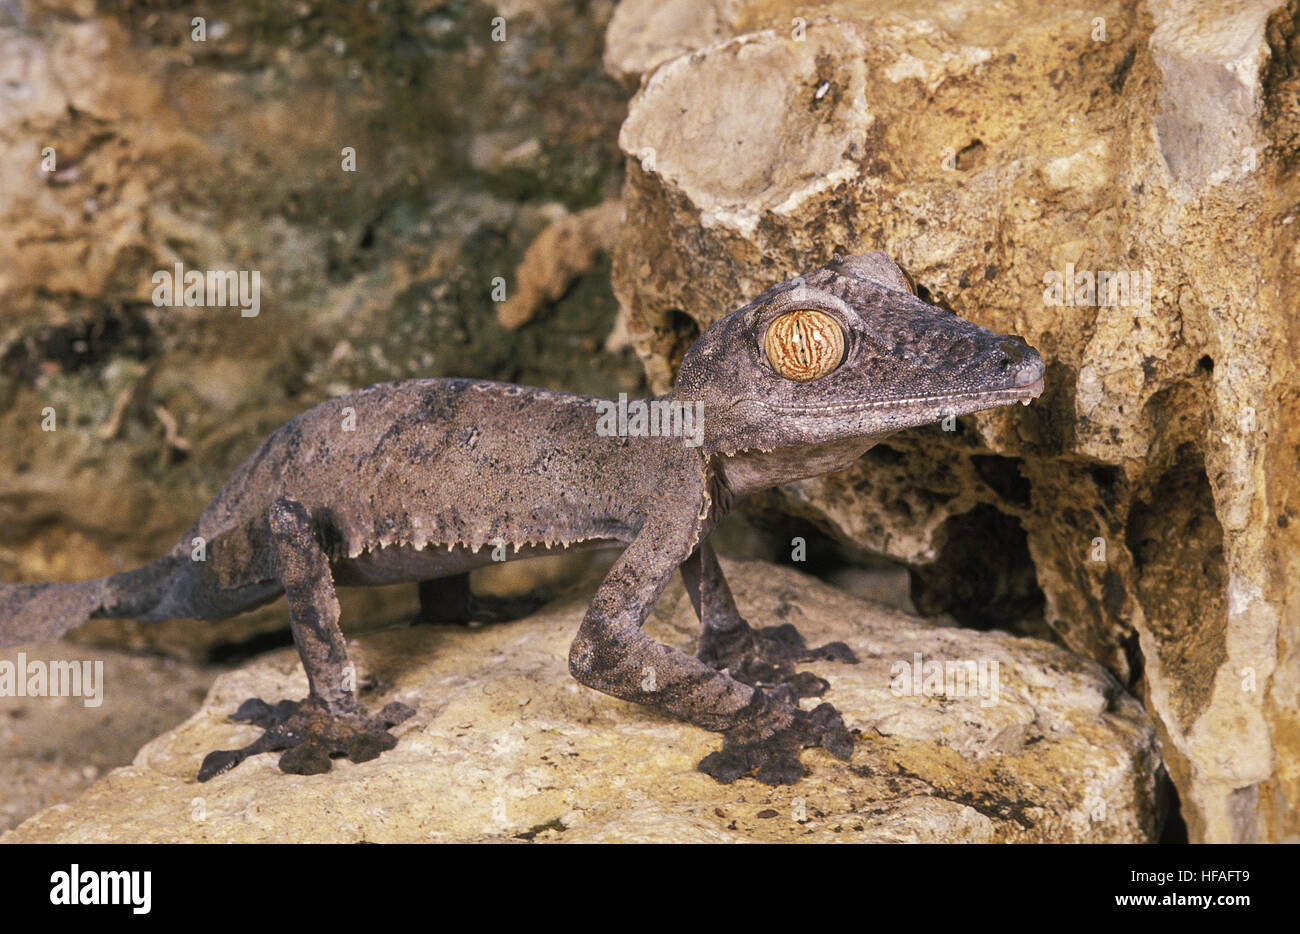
(806, 352)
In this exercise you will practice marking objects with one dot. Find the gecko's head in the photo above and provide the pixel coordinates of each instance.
(846, 351)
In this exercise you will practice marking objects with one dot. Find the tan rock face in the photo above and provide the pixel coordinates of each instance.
(795, 139)
(55, 747)
(506, 746)
(1116, 184)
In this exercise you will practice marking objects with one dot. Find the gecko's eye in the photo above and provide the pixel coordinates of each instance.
(804, 345)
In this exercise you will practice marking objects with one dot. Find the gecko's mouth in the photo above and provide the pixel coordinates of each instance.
(986, 398)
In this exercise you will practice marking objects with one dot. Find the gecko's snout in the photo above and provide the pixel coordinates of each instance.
(1030, 373)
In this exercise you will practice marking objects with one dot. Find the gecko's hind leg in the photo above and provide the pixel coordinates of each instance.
(759, 657)
(329, 722)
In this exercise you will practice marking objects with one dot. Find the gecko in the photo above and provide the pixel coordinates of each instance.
(424, 479)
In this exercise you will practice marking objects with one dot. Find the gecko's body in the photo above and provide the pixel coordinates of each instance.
(422, 479)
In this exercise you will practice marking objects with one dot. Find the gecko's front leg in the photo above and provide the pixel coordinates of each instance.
(761, 657)
(764, 729)
(330, 722)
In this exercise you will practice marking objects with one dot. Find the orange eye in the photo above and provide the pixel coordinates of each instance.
(804, 345)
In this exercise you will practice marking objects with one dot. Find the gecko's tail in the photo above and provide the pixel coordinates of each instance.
(41, 612)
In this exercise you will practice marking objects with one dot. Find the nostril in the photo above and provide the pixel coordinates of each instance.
(1029, 374)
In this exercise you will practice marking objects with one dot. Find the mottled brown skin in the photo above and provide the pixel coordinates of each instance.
(419, 480)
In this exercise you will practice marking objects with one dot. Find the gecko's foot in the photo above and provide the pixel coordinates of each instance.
(766, 657)
(310, 734)
(767, 742)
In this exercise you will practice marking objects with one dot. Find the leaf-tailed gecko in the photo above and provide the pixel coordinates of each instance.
(436, 474)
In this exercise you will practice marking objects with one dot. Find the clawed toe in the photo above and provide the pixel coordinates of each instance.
(259, 713)
(835, 652)
(806, 684)
(768, 743)
(826, 724)
(310, 735)
(308, 758)
(767, 657)
(787, 643)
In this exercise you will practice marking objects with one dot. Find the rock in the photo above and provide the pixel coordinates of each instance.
(55, 747)
(506, 746)
(565, 251)
(644, 34)
(1010, 158)
(739, 161)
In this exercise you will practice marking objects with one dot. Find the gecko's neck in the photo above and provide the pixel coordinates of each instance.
(746, 472)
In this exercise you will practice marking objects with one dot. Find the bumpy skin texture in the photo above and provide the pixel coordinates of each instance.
(424, 479)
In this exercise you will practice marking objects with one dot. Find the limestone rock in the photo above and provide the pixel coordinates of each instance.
(565, 251)
(1116, 183)
(644, 34)
(506, 746)
(55, 747)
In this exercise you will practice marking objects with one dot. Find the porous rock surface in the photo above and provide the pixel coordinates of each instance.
(505, 746)
(1148, 500)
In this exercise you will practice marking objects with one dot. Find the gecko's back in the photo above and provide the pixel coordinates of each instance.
(437, 462)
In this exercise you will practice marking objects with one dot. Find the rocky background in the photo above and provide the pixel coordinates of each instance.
(632, 173)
